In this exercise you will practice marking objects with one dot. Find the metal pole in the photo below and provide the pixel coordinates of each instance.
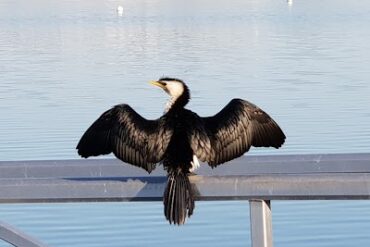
(261, 224)
(17, 238)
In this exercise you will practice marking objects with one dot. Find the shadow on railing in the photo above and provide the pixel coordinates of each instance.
(258, 179)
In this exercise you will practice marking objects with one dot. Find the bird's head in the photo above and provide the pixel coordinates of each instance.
(174, 87)
(177, 90)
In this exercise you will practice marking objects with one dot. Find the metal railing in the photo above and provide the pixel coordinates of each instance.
(258, 179)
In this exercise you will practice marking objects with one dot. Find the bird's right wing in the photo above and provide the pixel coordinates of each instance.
(128, 135)
(237, 127)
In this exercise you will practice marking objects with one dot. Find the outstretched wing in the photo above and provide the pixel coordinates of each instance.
(237, 127)
(128, 135)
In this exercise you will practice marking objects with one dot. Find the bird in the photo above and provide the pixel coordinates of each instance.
(179, 140)
(119, 10)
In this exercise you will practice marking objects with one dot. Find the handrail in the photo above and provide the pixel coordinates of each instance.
(258, 179)
(16, 237)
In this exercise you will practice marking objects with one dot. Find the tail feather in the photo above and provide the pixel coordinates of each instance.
(178, 198)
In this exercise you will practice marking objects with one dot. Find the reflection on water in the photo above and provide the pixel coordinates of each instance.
(62, 63)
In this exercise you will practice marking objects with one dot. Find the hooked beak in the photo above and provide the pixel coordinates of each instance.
(158, 84)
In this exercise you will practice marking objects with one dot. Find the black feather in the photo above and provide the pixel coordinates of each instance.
(178, 198)
(232, 131)
(129, 136)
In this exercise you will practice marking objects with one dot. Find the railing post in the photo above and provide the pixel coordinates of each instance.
(261, 224)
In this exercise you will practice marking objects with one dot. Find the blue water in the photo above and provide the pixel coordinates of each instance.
(299, 223)
(64, 62)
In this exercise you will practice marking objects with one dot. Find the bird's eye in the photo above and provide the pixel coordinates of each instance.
(164, 84)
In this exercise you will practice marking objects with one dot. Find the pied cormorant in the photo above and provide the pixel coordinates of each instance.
(178, 139)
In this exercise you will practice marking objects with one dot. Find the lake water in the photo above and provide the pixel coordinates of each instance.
(64, 62)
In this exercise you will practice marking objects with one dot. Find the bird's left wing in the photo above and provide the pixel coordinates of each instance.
(232, 131)
(129, 136)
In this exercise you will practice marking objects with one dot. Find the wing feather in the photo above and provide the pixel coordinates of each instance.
(198, 137)
(237, 127)
(129, 136)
